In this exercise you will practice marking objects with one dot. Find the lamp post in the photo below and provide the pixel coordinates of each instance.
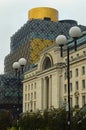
(18, 67)
(61, 40)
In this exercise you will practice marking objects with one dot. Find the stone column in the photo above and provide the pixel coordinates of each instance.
(50, 91)
(44, 94)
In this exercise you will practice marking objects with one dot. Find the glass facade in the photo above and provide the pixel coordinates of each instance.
(9, 92)
(36, 35)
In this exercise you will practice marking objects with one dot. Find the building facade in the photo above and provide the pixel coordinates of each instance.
(38, 33)
(45, 85)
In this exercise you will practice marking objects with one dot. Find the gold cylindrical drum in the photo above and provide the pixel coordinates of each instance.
(44, 13)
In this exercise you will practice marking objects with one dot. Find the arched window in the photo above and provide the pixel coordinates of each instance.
(46, 63)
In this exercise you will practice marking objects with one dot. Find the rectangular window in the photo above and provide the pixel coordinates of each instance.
(71, 74)
(76, 72)
(25, 88)
(28, 107)
(71, 101)
(76, 85)
(34, 95)
(76, 101)
(31, 96)
(65, 100)
(34, 105)
(25, 97)
(65, 88)
(65, 75)
(28, 87)
(83, 100)
(28, 96)
(83, 84)
(83, 70)
(31, 106)
(25, 106)
(34, 85)
(31, 86)
(70, 87)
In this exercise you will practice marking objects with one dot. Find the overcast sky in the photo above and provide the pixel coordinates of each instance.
(14, 13)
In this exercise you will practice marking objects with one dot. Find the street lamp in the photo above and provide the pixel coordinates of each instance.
(61, 40)
(18, 67)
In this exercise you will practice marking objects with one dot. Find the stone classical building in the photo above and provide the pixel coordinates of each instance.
(45, 85)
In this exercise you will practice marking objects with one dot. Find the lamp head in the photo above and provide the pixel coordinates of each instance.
(75, 32)
(61, 40)
(16, 65)
(22, 61)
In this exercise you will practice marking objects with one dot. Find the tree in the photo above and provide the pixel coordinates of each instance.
(55, 119)
(5, 119)
(79, 120)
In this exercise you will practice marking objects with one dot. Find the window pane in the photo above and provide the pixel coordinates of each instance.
(83, 100)
(76, 72)
(83, 84)
(76, 85)
(83, 70)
